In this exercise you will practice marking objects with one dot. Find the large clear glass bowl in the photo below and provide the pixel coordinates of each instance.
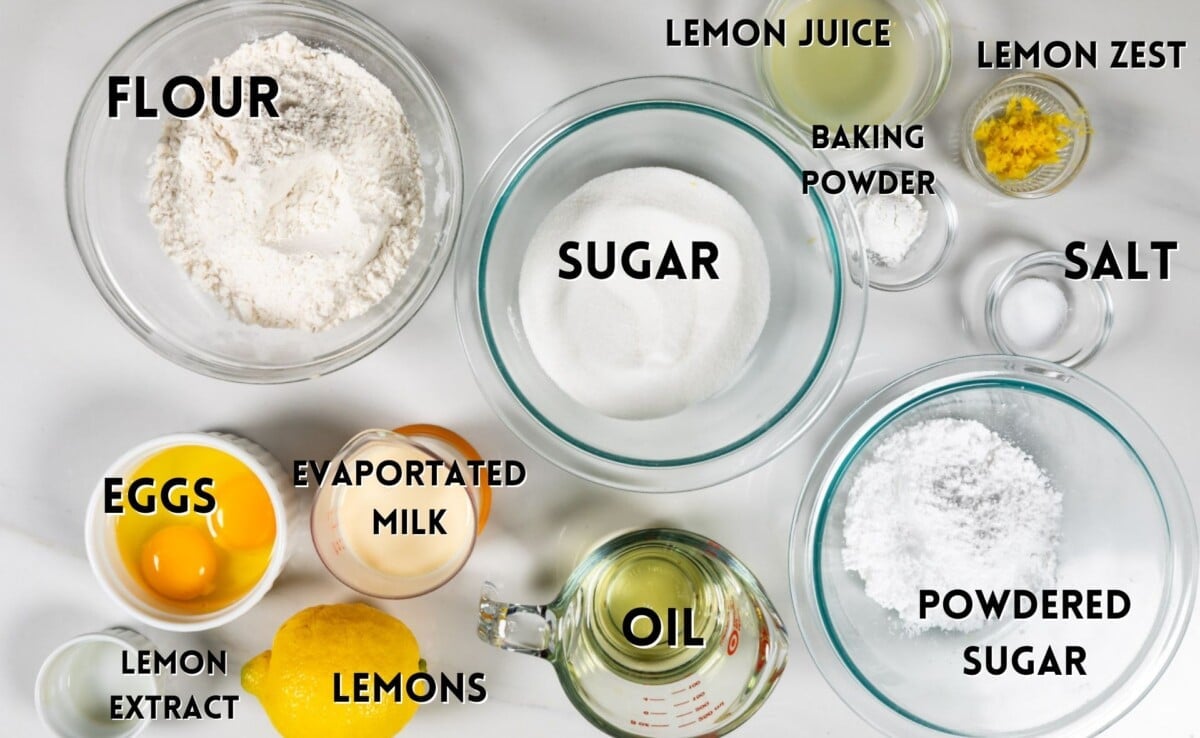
(1127, 524)
(815, 256)
(108, 192)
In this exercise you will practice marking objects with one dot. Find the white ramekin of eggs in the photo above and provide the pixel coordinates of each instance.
(188, 531)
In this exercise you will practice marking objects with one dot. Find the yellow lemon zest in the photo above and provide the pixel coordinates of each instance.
(1022, 139)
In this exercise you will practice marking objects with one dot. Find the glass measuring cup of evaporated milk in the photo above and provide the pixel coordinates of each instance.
(658, 632)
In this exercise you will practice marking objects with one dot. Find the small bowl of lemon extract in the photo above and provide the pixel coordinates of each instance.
(189, 531)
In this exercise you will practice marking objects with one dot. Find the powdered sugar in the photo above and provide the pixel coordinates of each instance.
(300, 221)
(949, 504)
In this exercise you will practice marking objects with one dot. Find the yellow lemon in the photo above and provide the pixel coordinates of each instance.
(294, 680)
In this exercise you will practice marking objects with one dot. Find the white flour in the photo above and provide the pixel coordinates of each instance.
(645, 348)
(300, 221)
(949, 504)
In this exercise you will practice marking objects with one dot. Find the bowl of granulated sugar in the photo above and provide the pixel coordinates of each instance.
(993, 545)
(649, 295)
(264, 191)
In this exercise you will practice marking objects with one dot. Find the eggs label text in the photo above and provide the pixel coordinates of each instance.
(144, 495)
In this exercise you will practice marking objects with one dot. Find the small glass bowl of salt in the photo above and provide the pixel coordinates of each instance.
(908, 237)
(1033, 310)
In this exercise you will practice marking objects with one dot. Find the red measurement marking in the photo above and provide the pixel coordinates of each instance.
(660, 725)
(654, 699)
(680, 691)
(701, 707)
(684, 725)
(684, 714)
(648, 712)
(681, 704)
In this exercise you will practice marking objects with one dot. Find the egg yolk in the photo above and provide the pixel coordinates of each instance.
(245, 518)
(179, 562)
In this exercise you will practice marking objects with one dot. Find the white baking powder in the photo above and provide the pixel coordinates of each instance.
(300, 221)
(645, 348)
(891, 224)
(949, 504)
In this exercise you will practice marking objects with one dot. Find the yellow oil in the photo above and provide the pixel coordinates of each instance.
(662, 578)
(235, 540)
(842, 85)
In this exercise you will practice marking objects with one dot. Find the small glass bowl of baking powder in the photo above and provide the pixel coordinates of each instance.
(908, 237)
(1126, 531)
(1032, 309)
(108, 184)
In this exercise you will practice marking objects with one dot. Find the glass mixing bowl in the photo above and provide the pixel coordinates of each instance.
(815, 256)
(108, 192)
(1127, 524)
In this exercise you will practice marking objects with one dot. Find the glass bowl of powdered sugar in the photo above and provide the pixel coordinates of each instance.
(283, 214)
(648, 295)
(993, 545)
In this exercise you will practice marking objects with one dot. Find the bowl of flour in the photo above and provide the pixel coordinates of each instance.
(265, 241)
(648, 296)
(993, 545)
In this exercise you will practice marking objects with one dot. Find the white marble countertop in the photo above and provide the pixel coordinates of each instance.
(78, 389)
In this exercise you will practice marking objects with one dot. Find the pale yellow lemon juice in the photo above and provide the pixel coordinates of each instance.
(841, 84)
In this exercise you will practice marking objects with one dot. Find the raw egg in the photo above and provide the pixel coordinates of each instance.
(245, 518)
(205, 557)
(180, 562)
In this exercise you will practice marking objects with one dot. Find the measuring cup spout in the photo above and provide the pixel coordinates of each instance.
(527, 629)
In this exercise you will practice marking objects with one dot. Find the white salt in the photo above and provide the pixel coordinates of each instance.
(1033, 313)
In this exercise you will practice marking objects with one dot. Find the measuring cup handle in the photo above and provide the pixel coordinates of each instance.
(527, 629)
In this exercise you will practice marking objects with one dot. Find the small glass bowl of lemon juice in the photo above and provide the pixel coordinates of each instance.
(851, 83)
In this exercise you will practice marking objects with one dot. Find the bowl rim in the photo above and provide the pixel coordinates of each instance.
(1025, 374)
(1053, 86)
(525, 148)
(200, 360)
(940, 71)
(942, 195)
(1007, 278)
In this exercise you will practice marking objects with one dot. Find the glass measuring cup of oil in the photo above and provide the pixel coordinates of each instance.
(659, 632)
